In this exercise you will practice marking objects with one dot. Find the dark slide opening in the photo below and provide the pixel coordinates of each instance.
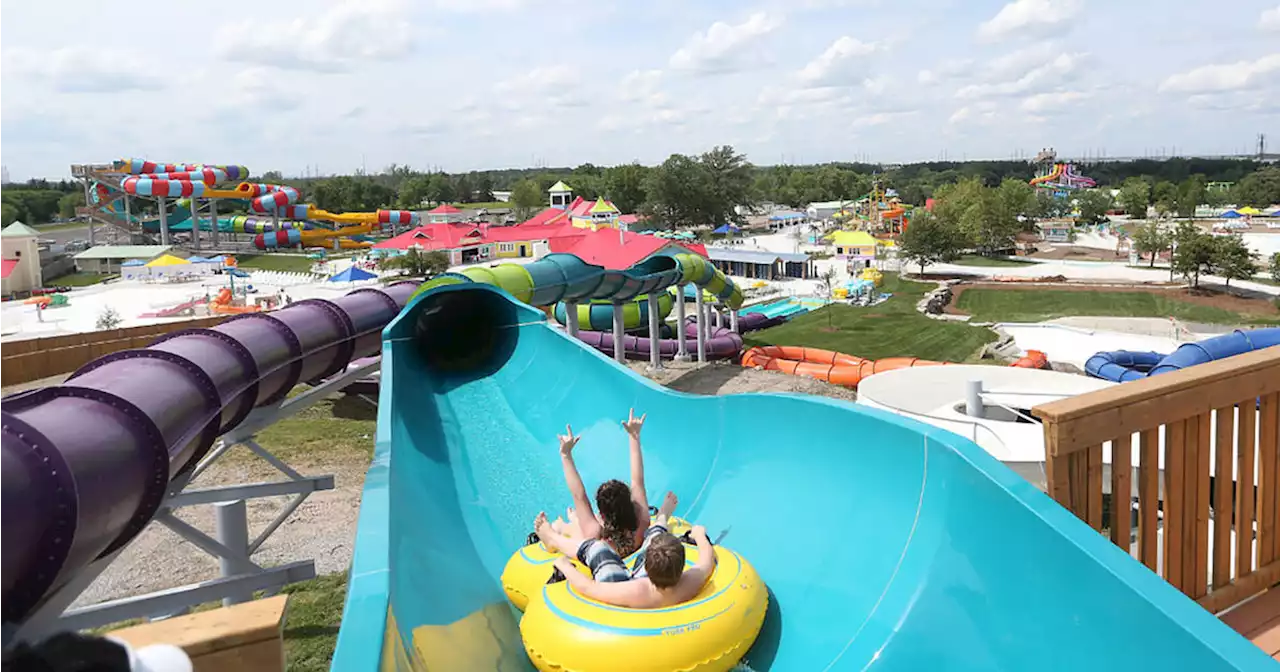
(465, 334)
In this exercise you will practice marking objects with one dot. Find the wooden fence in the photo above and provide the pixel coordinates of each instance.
(1219, 420)
(37, 358)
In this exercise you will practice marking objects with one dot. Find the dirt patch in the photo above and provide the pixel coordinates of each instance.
(1229, 301)
(829, 330)
(731, 378)
(1078, 253)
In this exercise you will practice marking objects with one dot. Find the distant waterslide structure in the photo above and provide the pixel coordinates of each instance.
(277, 218)
(1058, 178)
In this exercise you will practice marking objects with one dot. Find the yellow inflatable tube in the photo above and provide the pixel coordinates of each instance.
(528, 570)
(566, 632)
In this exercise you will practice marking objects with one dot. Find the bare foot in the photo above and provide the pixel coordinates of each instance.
(668, 506)
(559, 526)
(543, 528)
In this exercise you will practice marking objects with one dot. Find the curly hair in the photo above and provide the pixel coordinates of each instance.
(617, 516)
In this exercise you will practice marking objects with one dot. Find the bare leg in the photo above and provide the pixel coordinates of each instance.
(668, 507)
(554, 540)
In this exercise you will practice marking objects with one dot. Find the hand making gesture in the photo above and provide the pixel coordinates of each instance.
(634, 425)
(568, 441)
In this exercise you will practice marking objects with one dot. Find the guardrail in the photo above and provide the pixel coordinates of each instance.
(1221, 463)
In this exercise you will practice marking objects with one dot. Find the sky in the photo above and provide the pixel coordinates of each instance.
(331, 86)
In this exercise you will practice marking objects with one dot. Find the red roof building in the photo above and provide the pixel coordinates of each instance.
(444, 214)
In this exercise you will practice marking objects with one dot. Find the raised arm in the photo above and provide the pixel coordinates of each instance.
(587, 523)
(694, 578)
(638, 493)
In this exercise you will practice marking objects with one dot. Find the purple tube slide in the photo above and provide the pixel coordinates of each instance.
(87, 463)
(721, 343)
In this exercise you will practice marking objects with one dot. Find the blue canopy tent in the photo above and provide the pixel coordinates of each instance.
(1231, 214)
(787, 216)
(726, 228)
(352, 274)
(134, 262)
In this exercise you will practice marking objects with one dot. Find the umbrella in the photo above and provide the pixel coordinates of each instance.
(1231, 214)
(1249, 210)
(352, 274)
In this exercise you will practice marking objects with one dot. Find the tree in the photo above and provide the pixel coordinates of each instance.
(1192, 253)
(525, 198)
(929, 240)
(484, 188)
(679, 193)
(1135, 196)
(827, 283)
(1151, 239)
(464, 190)
(1189, 195)
(1216, 198)
(416, 263)
(1275, 267)
(1164, 196)
(108, 319)
(440, 189)
(1093, 205)
(69, 202)
(413, 192)
(1259, 189)
(1047, 206)
(1232, 259)
(8, 214)
(730, 184)
(625, 186)
(352, 194)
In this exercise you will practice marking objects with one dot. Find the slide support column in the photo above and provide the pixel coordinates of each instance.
(733, 321)
(682, 350)
(701, 311)
(164, 223)
(571, 318)
(213, 221)
(195, 224)
(719, 316)
(619, 349)
(655, 335)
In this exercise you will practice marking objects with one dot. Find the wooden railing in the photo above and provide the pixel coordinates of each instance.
(1222, 417)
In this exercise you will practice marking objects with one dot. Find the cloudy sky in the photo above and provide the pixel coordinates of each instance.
(473, 84)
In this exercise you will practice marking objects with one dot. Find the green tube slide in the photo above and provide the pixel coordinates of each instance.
(598, 315)
(565, 277)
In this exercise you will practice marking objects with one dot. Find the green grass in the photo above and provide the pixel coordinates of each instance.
(311, 626)
(78, 279)
(979, 260)
(336, 429)
(297, 263)
(1036, 305)
(891, 329)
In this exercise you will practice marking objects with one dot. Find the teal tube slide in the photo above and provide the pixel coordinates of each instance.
(886, 544)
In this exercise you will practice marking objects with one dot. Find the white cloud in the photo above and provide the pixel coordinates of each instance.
(547, 86)
(82, 70)
(881, 118)
(1270, 20)
(844, 63)
(257, 86)
(1238, 76)
(1036, 69)
(724, 47)
(333, 40)
(1030, 18)
(1051, 103)
(951, 69)
(640, 85)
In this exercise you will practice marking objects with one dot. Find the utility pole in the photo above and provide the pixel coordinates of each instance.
(1262, 146)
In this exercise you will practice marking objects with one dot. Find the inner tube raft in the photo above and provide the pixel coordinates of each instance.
(563, 631)
(528, 570)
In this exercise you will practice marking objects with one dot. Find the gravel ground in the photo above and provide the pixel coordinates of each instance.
(324, 526)
(323, 529)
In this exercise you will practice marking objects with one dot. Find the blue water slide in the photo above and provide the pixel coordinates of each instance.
(886, 544)
(1124, 365)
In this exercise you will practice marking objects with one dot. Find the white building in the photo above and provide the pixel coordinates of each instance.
(21, 259)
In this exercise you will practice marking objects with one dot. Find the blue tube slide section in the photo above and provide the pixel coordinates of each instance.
(886, 544)
(1123, 365)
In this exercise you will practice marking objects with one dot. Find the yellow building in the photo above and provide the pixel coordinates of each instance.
(855, 246)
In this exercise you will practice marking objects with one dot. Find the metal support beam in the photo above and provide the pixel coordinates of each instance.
(164, 223)
(733, 321)
(307, 485)
(655, 334)
(619, 352)
(195, 224)
(261, 418)
(232, 522)
(213, 222)
(88, 199)
(168, 601)
(571, 317)
(682, 350)
(203, 541)
(700, 309)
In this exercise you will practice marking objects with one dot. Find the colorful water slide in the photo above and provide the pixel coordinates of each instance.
(361, 224)
(721, 343)
(1125, 365)
(943, 558)
(222, 304)
(179, 309)
(1052, 176)
(598, 315)
(825, 365)
(74, 491)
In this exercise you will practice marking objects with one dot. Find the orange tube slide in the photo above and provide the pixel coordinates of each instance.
(825, 365)
(1034, 359)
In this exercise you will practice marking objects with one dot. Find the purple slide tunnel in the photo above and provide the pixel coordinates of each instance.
(721, 343)
(87, 463)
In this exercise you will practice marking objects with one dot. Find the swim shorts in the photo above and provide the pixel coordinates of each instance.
(604, 562)
(638, 572)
